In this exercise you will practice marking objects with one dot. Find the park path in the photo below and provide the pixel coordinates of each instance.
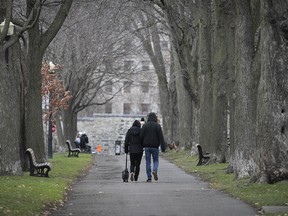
(102, 193)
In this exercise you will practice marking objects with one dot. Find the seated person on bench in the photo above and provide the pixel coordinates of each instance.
(84, 143)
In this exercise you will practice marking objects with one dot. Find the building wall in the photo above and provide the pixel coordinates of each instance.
(106, 129)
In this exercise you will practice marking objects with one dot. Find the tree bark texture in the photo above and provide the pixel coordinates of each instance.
(242, 93)
(205, 76)
(244, 127)
(272, 93)
(182, 37)
(10, 104)
(222, 24)
(61, 145)
(156, 56)
(69, 124)
(33, 117)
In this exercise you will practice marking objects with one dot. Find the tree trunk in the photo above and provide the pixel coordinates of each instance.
(273, 92)
(182, 35)
(37, 45)
(244, 162)
(164, 94)
(184, 106)
(222, 21)
(173, 100)
(60, 134)
(33, 118)
(205, 76)
(69, 124)
(10, 115)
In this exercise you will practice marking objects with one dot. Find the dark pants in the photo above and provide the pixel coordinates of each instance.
(135, 161)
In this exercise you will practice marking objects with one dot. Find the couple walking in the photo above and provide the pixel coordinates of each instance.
(149, 137)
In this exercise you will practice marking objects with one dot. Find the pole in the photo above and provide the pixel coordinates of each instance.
(50, 153)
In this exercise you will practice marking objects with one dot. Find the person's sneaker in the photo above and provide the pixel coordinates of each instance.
(149, 180)
(132, 176)
(155, 175)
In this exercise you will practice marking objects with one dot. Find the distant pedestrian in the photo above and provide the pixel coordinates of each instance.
(152, 137)
(134, 146)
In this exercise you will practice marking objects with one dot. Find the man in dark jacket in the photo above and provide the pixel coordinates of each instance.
(134, 145)
(152, 137)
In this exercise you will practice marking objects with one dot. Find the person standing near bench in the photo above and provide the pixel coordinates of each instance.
(152, 137)
(134, 145)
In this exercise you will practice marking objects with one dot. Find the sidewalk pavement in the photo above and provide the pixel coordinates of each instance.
(103, 193)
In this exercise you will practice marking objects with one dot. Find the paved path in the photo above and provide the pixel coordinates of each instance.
(176, 193)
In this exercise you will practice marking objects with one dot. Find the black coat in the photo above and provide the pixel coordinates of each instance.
(152, 135)
(133, 142)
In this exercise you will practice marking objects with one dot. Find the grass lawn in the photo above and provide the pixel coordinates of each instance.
(29, 195)
(253, 193)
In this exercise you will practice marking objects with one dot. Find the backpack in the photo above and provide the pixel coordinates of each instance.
(85, 138)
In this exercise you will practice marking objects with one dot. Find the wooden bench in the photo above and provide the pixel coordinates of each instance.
(73, 152)
(37, 169)
(204, 158)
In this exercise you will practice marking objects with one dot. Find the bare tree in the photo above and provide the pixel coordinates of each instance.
(148, 25)
(91, 50)
(24, 66)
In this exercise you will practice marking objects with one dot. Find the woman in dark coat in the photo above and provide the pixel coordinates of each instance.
(134, 145)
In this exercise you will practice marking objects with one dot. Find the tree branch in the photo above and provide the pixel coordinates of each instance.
(56, 24)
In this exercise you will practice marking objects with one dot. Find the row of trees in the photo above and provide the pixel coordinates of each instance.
(229, 61)
(227, 76)
(96, 38)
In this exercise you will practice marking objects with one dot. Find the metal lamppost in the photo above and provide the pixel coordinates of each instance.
(9, 33)
(50, 137)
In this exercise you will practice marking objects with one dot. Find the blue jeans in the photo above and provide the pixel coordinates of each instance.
(154, 152)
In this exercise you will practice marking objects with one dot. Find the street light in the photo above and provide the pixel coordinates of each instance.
(50, 137)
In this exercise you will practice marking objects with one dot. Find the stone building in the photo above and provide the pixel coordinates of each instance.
(107, 124)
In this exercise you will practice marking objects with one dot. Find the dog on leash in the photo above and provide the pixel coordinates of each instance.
(125, 175)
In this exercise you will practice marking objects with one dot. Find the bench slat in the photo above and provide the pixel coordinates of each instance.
(73, 152)
(204, 159)
(37, 169)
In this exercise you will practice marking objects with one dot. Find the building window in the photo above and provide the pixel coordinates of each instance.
(145, 87)
(127, 86)
(128, 66)
(144, 108)
(108, 86)
(126, 108)
(145, 65)
(108, 108)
